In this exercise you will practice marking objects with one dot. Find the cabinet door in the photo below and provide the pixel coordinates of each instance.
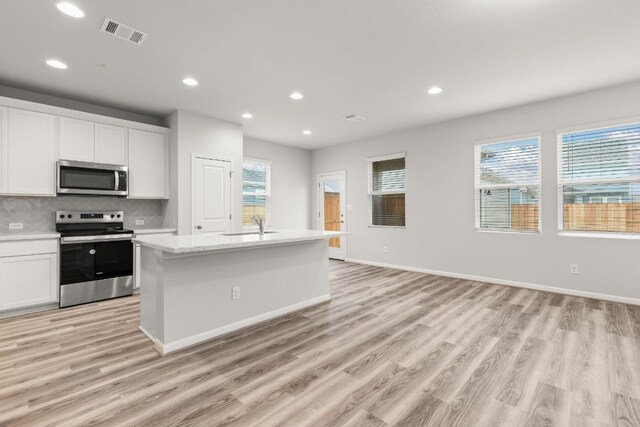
(110, 144)
(76, 140)
(30, 153)
(4, 163)
(147, 164)
(28, 280)
(136, 266)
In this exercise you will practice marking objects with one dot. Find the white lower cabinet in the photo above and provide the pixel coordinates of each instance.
(28, 279)
(136, 266)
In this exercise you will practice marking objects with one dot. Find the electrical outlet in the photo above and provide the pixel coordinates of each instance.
(139, 221)
(235, 292)
(384, 249)
(573, 269)
(15, 226)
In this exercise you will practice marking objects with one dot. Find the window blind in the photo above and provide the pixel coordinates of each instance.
(599, 179)
(387, 186)
(256, 191)
(507, 177)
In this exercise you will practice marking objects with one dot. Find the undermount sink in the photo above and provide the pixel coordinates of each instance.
(244, 233)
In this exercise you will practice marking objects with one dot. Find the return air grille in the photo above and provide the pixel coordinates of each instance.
(123, 31)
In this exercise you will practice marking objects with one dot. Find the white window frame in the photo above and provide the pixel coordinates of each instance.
(371, 193)
(477, 148)
(634, 120)
(267, 206)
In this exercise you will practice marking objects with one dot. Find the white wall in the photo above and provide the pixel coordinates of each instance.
(290, 182)
(59, 101)
(440, 233)
(195, 133)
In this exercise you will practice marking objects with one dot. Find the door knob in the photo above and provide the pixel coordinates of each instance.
(199, 227)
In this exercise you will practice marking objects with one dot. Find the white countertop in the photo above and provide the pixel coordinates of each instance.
(140, 231)
(20, 235)
(217, 242)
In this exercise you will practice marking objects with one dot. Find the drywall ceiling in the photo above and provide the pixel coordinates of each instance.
(375, 58)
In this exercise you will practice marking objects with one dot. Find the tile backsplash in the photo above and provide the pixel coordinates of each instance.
(38, 213)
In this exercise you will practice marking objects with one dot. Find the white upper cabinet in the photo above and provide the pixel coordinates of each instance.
(29, 148)
(34, 136)
(110, 144)
(148, 165)
(92, 142)
(76, 140)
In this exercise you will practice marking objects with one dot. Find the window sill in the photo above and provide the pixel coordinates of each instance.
(400, 227)
(599, 235)
(491, 230)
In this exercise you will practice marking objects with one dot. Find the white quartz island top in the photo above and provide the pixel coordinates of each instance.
(188, 243)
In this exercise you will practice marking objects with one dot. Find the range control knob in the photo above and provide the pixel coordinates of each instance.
(112, 216)
(69, 216)
(119, 215)
(61, 216)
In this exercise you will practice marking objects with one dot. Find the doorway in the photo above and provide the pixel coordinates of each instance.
(332, 201)
(211, 195)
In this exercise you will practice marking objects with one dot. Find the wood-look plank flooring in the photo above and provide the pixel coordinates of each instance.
(391, 348)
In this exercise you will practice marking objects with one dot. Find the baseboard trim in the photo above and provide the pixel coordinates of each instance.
(166, 348)
(144, 331)
(28, 310)
(544, 288)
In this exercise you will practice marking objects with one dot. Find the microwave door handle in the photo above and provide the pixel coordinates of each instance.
(117, 181)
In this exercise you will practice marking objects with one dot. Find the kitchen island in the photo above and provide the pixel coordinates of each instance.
(197, 287)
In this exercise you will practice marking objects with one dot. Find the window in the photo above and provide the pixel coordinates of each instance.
(599, 179)
(508, 185)
(387, 181)
(256, 191)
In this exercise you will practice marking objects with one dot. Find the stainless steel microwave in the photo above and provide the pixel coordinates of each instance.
(97, 179)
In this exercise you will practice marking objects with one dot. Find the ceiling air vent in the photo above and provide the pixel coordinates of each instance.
(354, 118)
(123, 32)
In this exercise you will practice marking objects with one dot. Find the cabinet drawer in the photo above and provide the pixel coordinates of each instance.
(28, 247)
(28, 280)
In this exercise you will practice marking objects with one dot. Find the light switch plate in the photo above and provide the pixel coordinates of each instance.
(15, 226)
(139, 221)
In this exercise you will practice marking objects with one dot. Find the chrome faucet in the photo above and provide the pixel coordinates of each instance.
(258, 219)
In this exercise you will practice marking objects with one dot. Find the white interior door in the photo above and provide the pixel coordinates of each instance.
(211, 204)
(332, 202)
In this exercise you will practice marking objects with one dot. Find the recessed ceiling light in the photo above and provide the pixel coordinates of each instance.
(190, 82)
(434, 90)
(57, 64)
(306, 132)
(70, 9)
(247, 116)
(296, 95)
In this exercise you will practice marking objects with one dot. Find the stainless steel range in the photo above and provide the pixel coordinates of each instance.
(96, 256)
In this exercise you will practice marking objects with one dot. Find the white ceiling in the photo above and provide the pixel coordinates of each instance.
(375, 58)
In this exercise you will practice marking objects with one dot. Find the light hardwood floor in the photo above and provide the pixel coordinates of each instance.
(391, 348)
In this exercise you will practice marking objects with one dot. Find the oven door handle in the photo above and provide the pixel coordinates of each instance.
(95, 239)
